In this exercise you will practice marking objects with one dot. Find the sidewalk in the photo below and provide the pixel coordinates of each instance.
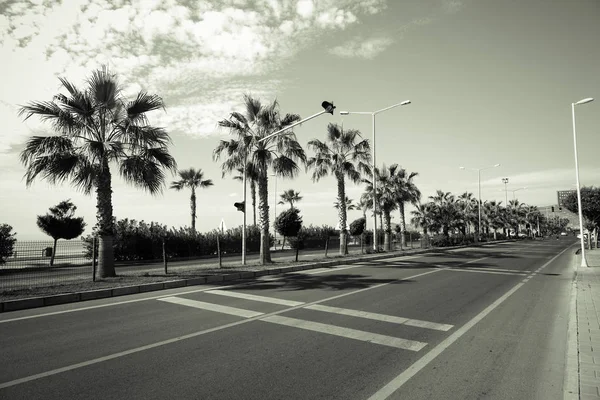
(588, 325)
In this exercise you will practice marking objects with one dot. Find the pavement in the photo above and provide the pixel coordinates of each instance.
(469, 323)
(588, 325)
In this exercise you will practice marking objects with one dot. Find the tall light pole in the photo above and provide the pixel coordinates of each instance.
(505, 181)
(479, 191)
(275, 212)
(580, 102)
(373, 114)
(516, 190)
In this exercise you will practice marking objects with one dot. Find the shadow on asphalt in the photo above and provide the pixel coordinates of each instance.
(331, 282)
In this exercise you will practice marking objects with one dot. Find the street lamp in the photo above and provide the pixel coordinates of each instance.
(516, 190)
(505, 181)
(373, 114)
(580, 102)
(328, 108)
(479, 191)
(275, 212)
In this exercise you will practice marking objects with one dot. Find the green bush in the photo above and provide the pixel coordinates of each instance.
(139, 241)
(7, 242)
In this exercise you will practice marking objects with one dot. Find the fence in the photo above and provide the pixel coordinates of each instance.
(37, 263)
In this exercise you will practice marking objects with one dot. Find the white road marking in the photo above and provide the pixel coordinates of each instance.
(481, 271)
(347, 333)
(381, 317)
(195, 334)
(411, 371)
(253, 297)
(524, 271)
(238, 312)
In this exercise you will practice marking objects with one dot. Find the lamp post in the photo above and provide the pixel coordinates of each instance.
(505, 181)
(479, 192)
(328, 108)
(373, 114)
(516, 190)
(275, 212)
(580, 102)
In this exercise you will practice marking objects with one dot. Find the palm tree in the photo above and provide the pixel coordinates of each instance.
(493, 213)
(516, 213)
(406, 191)
(423, 216)
(290, 196)
(190, 178)
(95, 127)
(252, 176)
(445, 214)
(281, 152)
(349, 205)
(387, 197)
(468, 207)
(343, 157)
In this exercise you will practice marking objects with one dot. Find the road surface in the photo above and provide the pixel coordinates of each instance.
(487, 322)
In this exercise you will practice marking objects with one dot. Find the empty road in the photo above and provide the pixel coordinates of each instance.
(475, 323)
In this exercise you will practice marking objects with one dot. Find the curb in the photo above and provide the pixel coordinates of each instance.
(35, 302)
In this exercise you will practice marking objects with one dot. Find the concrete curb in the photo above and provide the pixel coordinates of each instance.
(34, 302)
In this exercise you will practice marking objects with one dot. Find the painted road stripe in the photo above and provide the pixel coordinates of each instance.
(411, 371)
(253, 297)
(482, 271)
(380, 317)
(347, 333)
(238, 312)
(524, 271)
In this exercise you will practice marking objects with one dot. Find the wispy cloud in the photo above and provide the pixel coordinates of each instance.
(182, 50)
(362, 48)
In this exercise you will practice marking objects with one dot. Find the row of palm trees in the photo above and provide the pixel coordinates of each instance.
(446, 213)
(96, 127)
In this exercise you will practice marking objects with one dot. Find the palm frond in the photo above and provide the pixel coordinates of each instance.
(143, 173)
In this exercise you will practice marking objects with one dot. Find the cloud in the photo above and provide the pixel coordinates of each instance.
(368, 48)
(560, 179)
(452, 6)
(181, 50)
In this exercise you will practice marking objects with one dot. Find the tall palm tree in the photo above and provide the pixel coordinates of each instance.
(406, 191)
(349, 205)
(468, 207)
(342, 156)
(290, 196)
(387, 197)
(252, 176)
(281, 152)
(190, 178)
(96, 127)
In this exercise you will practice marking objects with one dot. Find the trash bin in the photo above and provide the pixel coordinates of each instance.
(47, 252)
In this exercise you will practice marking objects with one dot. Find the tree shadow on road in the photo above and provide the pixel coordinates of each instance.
(330, 282)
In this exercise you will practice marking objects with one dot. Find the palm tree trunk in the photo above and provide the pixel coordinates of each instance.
(387, 231)
(104, 214)
(342, 213)
(193, 207)
(402, 224)
(253, 195)
(263, 208)
(53, 252)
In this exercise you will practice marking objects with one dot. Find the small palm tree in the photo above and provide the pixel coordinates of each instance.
(422, 217)
(387, 198)
(190, 178)
(344, 157)
(406, 191)
(445, 212)
(97, 127)
(290, 196)
(281, 152)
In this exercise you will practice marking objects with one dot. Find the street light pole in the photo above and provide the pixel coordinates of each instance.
(275, 212)
(244, 224)
(479, 190)
(516, 190)
(373, 114)
(505, 181)
(584, 101)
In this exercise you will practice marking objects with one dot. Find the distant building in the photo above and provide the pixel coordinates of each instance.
(560, 213)
(562, 195)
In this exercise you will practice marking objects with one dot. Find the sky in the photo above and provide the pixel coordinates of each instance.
(490, 82)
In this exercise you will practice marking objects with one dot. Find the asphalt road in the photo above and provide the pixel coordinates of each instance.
(487, 322)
